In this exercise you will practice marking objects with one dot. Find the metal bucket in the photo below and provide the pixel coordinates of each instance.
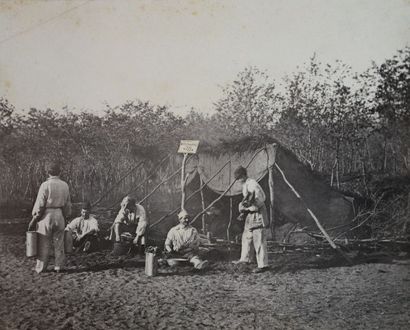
(120, 248)
(31, 243)
(68, 241)
(151, 264)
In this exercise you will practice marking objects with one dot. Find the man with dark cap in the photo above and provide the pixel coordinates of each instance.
(84, 230)
(52, 206)
(256, 220)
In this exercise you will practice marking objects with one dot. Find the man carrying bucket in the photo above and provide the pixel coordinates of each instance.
(183, 242)
(52, 206)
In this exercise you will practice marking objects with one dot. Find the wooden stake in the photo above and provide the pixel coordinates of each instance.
(272, 192)
(325, 234)
(189, 197)
(183, 182)
(229, 188)
(105, 193)
(228, 229)
(203, 208)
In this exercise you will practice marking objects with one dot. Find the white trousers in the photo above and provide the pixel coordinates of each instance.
(255, 239)
(50, 234)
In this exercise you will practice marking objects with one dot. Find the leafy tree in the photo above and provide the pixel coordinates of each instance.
(393, 107)
(250, 104)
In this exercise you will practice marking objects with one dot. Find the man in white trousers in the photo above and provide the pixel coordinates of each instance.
(52, 206)
(256, 221)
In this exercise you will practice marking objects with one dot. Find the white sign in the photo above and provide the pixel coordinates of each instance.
(188, 146)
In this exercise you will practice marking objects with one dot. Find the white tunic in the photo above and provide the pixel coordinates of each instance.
(53, 194)
(253, 187)
(131, 218)
(83, 226)
(182, 237)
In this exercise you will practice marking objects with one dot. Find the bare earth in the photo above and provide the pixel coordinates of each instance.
(301, 291)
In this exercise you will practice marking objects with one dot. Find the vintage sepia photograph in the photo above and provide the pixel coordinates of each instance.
(204, 164)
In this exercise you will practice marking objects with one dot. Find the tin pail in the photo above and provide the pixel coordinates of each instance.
(120, 248)
(151, 264)
(68, 241)
(31, 243)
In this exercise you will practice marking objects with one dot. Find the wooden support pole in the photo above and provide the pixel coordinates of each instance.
(214, 202)
(183, 182)
(105, 193)
(272, 201)
(325, 234)
(227, 189)
(228, 229)
(272, 192)
(203, 208)
(189, 197)
(159, 185)
(152, 173)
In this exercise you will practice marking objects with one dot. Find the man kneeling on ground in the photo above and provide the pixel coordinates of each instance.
(84, 230)
(132, 216)
(183, 242)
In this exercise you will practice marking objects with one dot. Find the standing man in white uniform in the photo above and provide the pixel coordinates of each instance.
(256, 221)
(52, 206)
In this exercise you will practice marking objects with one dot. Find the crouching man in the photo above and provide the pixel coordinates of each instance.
(183, 242)
(84, 230)
(132, 216)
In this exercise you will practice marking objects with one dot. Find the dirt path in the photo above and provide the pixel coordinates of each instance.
(103, 292)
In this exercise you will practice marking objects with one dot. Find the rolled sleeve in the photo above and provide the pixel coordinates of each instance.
(73, 225)
(122, 217)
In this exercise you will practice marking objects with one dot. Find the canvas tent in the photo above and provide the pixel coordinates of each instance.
(210, 178)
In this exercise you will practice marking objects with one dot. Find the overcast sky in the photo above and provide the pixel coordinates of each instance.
(86, 53)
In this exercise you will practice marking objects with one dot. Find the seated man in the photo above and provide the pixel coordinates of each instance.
(183, 242)
(84, 230)
(130, 215)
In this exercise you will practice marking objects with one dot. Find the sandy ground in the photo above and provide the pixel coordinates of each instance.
(301, 291)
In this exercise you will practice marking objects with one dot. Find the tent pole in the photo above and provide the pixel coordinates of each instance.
(203, 208)
(190, 196)
(183, 182)
(151, 174)
(228, 235)
(105, 193)
(318, 224)
(272, 191)
(227, 189)
(159, 185)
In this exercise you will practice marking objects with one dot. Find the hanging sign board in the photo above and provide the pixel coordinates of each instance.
(188, 146)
